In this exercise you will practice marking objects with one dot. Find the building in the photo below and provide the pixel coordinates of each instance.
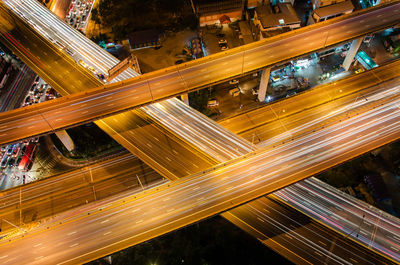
(279, 17)
(144, 39)
(246, 35)
(330, 11)
(211, 12)
(321, 3)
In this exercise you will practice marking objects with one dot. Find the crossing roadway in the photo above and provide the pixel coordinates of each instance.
(169, 82)
(140, 217)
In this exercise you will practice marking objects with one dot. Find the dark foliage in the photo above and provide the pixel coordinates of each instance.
(124, 17)
(213, 242)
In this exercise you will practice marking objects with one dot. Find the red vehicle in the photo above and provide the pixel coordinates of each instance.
(27, 157)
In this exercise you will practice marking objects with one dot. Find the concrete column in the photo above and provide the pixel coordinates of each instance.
(351, 53)
(66, 140)
(262, 90)
(185, 98)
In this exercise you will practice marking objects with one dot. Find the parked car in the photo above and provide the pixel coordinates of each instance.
(16, 151)
(359, 70)
(234, 92)
(223, 46)
(4, 161)
(212, 103)
(10, 149)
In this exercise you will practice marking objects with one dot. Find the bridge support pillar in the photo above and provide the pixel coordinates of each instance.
(355, 45)
(185, 98)
(262, 90)
(66, 140)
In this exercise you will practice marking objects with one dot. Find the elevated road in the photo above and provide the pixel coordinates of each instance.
(297, 237)
(347, 102)
(167, 207)
(172, 81)
(132, 131)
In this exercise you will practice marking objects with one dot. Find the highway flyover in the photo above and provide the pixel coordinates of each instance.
(167, 207)
(99, 102)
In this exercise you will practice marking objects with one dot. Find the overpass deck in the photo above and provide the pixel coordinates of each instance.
(167, 207)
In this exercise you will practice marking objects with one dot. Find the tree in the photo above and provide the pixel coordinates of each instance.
(95, 16)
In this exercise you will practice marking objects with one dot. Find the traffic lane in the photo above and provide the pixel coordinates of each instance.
(332, 111)
(388, 227)
(299, 253)
(53, 26)
(216, 140)
(33, 44)
(152, 139)
(334, 155)
(82, 108)
(299, 232)
(284, 40)
(59, 116)
(53, 195)
(310, 98)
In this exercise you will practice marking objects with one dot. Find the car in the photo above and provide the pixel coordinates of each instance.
(82, 63)
(212, 103)
(69, 51)
(32, 89)
(36, 79)
(3, 149)
(223, 46)
(221, 41)
(234, 92)
(11, 161)
(10, 149)
(16, 151)
(59, 44)
(18, 160)
(91, 68)
(101, 76)
(50, 38)
(359, 70)
(4, 161)
(234, 82)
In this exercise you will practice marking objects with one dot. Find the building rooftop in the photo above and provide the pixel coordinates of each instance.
(283, 14)
(334, 9)
(144, 38)
(205, 7)
(245, 31)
